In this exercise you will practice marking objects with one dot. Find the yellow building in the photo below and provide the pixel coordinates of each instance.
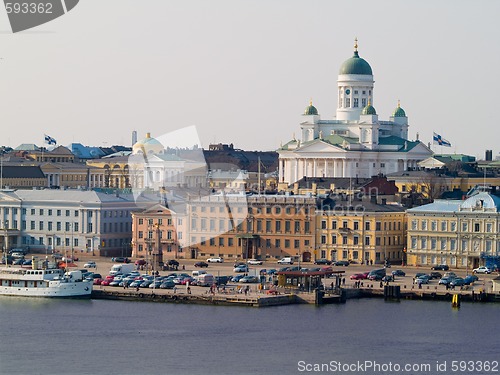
(361, 231)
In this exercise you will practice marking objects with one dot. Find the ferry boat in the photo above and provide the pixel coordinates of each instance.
(51, 282)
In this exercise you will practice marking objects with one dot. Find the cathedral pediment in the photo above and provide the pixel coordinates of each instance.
(319, 145)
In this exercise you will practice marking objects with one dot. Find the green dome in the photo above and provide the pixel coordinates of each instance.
(399, 112)
(369, 110)
(310, 110)
(356, 65)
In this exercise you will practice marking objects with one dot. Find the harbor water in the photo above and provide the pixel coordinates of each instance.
(41, 336)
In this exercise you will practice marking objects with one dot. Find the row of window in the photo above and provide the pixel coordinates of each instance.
(388, 225)
(452, 225)
(451, 244)
(221, 241)
(261, 226)
(289, 210)
(47, 212)
(159, 221)
(387, 241)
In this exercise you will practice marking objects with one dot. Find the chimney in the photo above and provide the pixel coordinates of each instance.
(314, 188)
(296, 188)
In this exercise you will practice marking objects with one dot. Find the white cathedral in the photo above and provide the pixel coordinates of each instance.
(355, 143)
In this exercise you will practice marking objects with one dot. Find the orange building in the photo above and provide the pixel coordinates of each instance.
(156, 233)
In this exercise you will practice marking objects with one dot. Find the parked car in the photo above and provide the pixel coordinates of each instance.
(90, 264)
(424, 279)
(323, 261)
(222, 280)
(343, 263)
(167, 284)
(201, 264)
(457, 281)
(482, 269)
(57, 256)
(18, 261)
(215, 260)
(254, 262)
(120, 260)
(470, 279)
(172, 264)
(243, 268)
(249, 279)
(140, 262)
(398, 273)
(450, 274)
(435, 275)
(445, 280)
(286, 260)
(388, 278)
(237, 278)
(17, 255)
(440, 267)
(375, 277)
(358, 276)
(418, 274)
(238, 264)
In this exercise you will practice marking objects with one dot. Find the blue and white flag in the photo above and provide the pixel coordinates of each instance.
(438, 140)
(49, 140)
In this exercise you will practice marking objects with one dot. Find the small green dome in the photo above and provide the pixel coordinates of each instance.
(369, 110)
(356, 65)
(310, 110)
(399, 112)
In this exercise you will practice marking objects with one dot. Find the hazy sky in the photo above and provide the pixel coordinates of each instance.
(243, 71)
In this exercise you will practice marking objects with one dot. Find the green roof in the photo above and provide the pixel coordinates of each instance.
(399, 112)
(310, 110)
(356, 65)
(369, 110)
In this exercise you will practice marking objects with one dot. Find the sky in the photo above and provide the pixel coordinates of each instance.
(243, 71)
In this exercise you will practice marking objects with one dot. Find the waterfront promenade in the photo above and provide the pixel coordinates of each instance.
(233, 294)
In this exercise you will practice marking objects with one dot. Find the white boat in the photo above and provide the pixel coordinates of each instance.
(51, 282)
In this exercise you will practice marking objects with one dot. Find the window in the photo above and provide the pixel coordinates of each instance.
(268, 210)
(334, 239)
(278, 226)
(287, 226)
(307, 226)
(296, 244)
(443, 226)
(367, 225)
(268, 242)
(287, 244)
(230, 241)
(423, 243)
(464, 227)
(141, 234)
(323, 239)
(344, 224)
(41, 211)
(32, 225)
(323, 224)
(433, 244)
(212, 241)
(40, 225)
(356, 225)
(334, 224)
(476, 227)
(221, 241)
(443, 244)
(67, 212)
(377, 241)
(58, 212)
(453, 244)
(76, 213)
(277, 242)
(488, 246)
(424, 225)
(347, 102)
(355, 240)
(413, 242)
(356, 102)
(489, 227)
(363, 102)
(278, 210)
(268, 226)
(89, 227)
(453, 226)
(297, 226)
(367, 241)
(378, 226)
(465, 245)
(434, 225)
(414, 224)
(33, 212)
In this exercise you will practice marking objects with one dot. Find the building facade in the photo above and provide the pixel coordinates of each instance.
(157, 233)
(355, 143)
(66, 221)
(362, 232)
(462, 234)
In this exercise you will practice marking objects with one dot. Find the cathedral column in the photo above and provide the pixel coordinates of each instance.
(405, 165)
(343, 168)
(296, 170)
(315, 170)
(325, 172)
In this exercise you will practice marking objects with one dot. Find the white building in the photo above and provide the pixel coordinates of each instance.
(463, 234)
(355, 143)
(66, 220)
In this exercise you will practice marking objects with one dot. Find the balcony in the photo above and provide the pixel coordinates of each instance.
(345, 230)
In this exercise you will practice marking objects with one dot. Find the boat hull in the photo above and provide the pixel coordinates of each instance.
(54, 290)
